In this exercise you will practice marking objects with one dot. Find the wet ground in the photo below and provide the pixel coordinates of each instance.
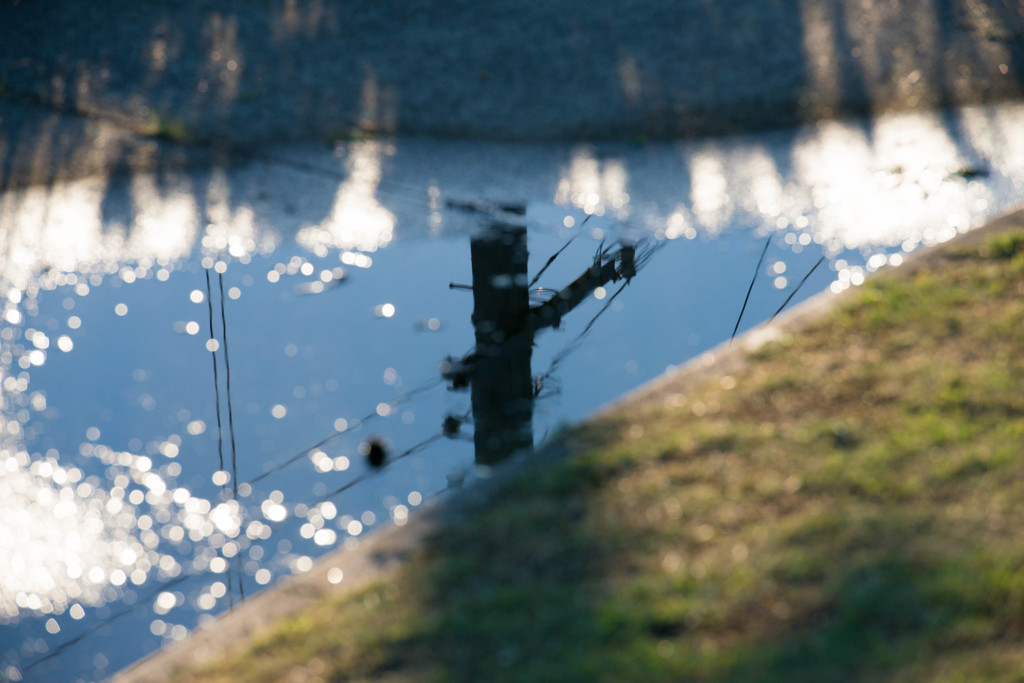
(207, 73)
(198, 368)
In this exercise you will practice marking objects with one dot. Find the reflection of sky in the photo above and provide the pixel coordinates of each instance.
(109, 458)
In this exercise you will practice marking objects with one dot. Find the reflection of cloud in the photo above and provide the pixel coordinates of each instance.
(594, 186)
(853, 184)
(233, 230)
(44, 229)
(709, 196)
(766, 189)
(60, 546)
(886, 189)
(997, 134)
(149, 239)
(894, 181)
(357, 220)
(679, 224)
(93, 227)
(61, 228)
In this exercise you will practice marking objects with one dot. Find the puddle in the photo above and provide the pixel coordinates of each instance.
(141, 494)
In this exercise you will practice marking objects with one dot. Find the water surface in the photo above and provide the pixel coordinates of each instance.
(129, 516)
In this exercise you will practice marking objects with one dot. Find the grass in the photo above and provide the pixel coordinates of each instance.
(172, 130)
(845, 508)
(353, 134)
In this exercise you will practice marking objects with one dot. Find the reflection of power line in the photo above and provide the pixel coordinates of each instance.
(333, 174)
(451, 431)
(796, 289)
(216, 381)
(630, 261)
(789, 298)
(498, 368)
(575, 343)
(370, 472)
(555, 255)
(227, 374)
(624, 263)
(117, 615)
(404, 398)
(220, 461)
(188, 575)
(231, 431)
(231, 421)
(608, 266)
(753, 279)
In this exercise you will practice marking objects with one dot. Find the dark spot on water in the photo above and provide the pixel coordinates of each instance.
(451, 426)
(376, 453)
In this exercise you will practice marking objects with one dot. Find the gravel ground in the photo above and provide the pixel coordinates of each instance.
(216, 74)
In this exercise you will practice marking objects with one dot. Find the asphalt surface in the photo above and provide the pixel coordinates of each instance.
(91, 87)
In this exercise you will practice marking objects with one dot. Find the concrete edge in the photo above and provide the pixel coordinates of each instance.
(728, 358)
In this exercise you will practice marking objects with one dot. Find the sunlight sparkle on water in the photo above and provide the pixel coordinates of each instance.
(72, 538)
(357, 219)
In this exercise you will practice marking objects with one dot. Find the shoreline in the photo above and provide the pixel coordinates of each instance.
(381, 554)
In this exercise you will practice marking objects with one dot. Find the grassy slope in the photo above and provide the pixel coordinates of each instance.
(848, 507)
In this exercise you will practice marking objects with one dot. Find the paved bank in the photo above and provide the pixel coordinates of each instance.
(87, 87)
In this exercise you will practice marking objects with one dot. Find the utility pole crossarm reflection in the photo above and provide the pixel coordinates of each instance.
(498, 369)
(617, 266)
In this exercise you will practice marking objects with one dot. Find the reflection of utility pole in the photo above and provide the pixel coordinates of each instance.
(498, 369)
(502, 387)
